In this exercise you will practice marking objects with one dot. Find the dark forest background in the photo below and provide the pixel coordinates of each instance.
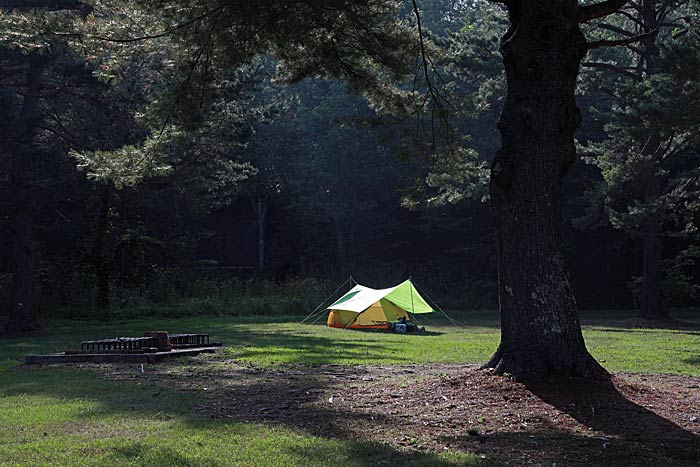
(309, 185)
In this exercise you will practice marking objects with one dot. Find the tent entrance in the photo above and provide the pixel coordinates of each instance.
(376, 316)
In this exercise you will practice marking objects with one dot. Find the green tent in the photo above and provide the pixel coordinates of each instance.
(364, 307)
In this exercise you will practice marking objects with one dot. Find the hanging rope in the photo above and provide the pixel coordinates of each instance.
(414, 315)
(437, 307)
(320, 315)
(425, 317)
(320, 308)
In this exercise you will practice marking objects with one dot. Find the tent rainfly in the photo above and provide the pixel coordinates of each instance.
(365, 308)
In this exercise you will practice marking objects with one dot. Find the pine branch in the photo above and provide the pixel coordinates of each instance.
(619, 42)
(599, 10)
(609, 66)
(198, 19)
(632, 18)
(636, 6)
(53, 5)
(79, 6)
(615, 29)
(436, 99)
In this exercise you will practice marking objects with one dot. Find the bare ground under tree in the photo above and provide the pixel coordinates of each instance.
(637, 420)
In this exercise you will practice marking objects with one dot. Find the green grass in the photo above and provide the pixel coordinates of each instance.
(267, 341)
(64, 416)
(70, 416)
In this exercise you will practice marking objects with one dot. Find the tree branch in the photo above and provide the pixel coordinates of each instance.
(619, 42)
(435, 94)
(611, 67)
(616, 29)
(599, 10)
(79, 6)
(636, 6)
(146, 37)
(632, 18)
(53, 5)
(681, 33)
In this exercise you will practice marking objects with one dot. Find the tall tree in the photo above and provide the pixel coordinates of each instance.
(542, 51)
(649, 161)
(365, 42)
(34, 71)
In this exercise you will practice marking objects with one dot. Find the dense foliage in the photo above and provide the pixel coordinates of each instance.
(210, 159)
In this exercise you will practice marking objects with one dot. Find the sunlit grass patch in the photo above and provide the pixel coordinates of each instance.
(270, 341)
(70, 416)
(64, 416)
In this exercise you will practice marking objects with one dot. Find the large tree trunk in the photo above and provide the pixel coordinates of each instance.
(261, 208)
(341, 242)
(104, 297)
(101, 265)
(25, 259)
(652, 251)
(25, 253)
(652, 295)
(540, 329)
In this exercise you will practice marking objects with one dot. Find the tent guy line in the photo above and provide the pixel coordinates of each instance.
(320, 308)
(366, 308)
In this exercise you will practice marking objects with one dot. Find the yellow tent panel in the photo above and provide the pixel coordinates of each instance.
(376, 316)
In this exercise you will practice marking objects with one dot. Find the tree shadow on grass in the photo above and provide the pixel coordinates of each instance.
(548, 447)
(208, 425)
(392, 333)
(613, 430)
(317, 403)
(162, 456)
(571, 422)
(695, 361)
(306, 349)
(624, 330)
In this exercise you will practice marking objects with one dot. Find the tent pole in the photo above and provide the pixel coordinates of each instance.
(415, 319)
(321, 304)
(353, 320)
(410, 282)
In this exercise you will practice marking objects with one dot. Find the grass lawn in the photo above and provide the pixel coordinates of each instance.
(276, 340)
(64, 415)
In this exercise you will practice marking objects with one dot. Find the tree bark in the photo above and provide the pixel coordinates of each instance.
(261, 213)
(341, 242)
(652, 248)
(102, 266)
(25, 256)
(104, 298)
(540, 329)
(652, 294)
(652, 251)
(262, 234)
(25, 252)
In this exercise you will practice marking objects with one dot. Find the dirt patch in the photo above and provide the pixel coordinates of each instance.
(636, 420)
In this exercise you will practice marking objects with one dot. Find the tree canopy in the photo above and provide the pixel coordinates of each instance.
(145, 139)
